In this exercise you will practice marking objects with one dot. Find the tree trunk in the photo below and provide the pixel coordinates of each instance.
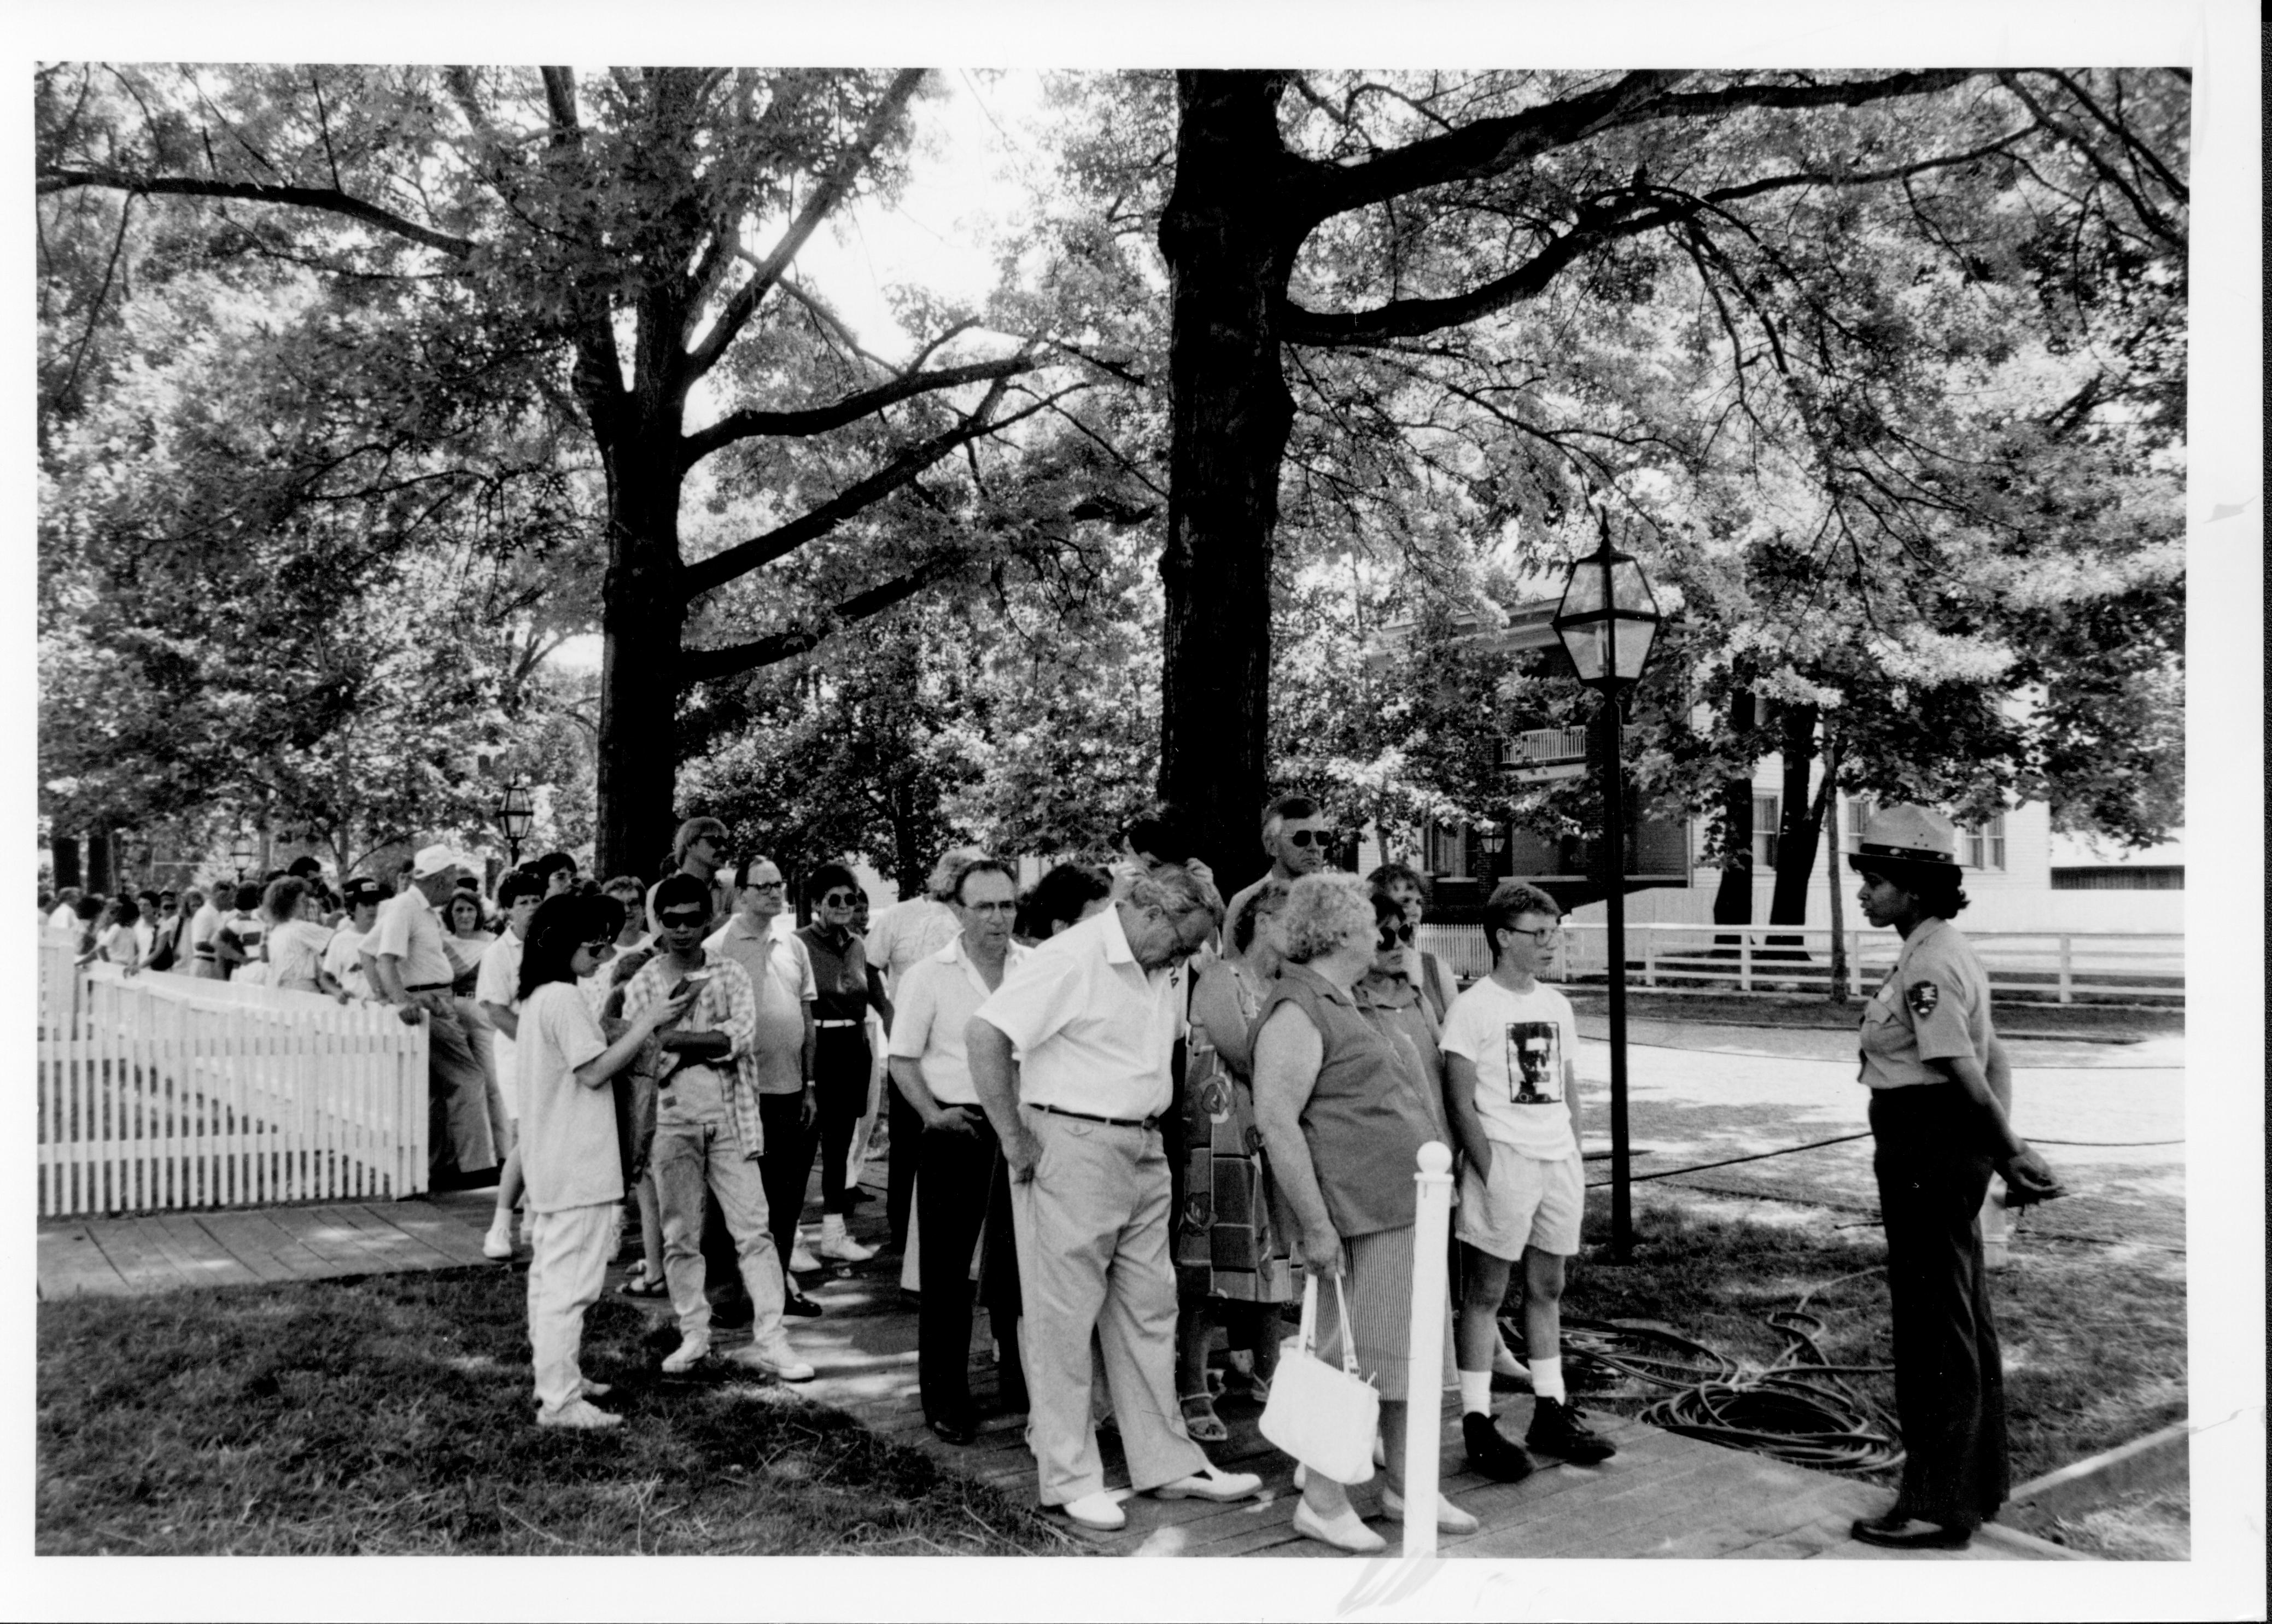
(1802, 818)
(63, 850)
(1229, 255)
(1732, 903)
(640, 621)
(98, 861)
(1837, 879)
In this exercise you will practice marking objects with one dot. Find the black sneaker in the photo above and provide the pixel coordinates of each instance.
(1492, 1452)
(1559, 1429)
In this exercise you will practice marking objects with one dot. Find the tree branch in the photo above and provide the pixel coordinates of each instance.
(708, 664)
(328, 199)
(749, 424)
(833, 187)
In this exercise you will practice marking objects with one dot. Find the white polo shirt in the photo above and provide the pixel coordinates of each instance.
(781, 974)
(936, 997)
(409, 927)
(1094, 1031)
(907, 933)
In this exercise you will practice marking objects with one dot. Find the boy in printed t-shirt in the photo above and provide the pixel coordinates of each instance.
(1511, 1049)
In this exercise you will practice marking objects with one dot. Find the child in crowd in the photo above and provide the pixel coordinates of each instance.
(573, 1169)
(1511, 1047)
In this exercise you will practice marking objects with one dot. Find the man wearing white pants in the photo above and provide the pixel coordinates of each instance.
(1091, 1016)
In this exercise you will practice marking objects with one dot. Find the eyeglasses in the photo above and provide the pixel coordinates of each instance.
(1306, 837)
(678, 921)
(839, 899)
(766, 885)
(604, 946)
(1540, 937)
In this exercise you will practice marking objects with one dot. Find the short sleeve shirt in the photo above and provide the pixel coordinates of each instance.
(1095, 1031)
(905, 934)
(203, 923)
(344, 959)
(1520, 1043)
(936, 999)
(1932, 1007)
(498, 983)
(409, 927)
(781, 976)
(568, 1150)
(295, 949)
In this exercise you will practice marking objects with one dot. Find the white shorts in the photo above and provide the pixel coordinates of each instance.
(1526, 1202)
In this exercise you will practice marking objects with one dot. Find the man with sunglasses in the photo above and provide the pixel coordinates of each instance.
(1295, 835)
(845, 987)
(1511, 1052)
(710, 1132)
(1091, 1017)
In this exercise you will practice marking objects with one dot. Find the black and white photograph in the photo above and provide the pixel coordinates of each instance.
(925, 794)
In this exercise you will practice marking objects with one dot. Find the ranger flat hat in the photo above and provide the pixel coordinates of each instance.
(1908, 836)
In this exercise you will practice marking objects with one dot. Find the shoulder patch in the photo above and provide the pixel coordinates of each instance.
(1924, 997)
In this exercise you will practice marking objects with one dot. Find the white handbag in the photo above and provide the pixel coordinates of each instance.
(1324, 1418)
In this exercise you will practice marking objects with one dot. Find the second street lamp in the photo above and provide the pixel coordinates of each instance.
(1608, 619)
(514, 813)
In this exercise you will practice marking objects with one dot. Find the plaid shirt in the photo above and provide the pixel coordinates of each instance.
(726, 1003)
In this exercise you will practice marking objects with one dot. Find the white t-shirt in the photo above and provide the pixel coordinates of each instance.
(568, 1151)
(498, 983)
(1522, 1045)
(343, 958)
(64, 918)
(295, 949)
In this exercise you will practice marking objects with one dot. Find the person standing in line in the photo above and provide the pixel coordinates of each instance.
(1295, 837)
(236, 942)
(557, 870)
(904, 935)
(343, 956)
(65, 916)
(573, 1168)
(1407, 888)
(413, 973)
(1939, 1087)
(844, 992)
(169, 947)
(1091, 1020)
(699, 848)
(1511, 1049)
(959, 1155)
(297, 943)
(788, 1102)
(496, 990)
(204, 925)
(709, 1133)
(120, 941)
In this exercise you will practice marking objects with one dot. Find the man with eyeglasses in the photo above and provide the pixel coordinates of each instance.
(699, 848)
(845, 987)
(710, 1132)
(1296, 836)
(956, 1145)
(1091, 1017)
(1511, 1052)
(782, 972)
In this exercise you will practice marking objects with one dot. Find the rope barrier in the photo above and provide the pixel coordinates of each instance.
(1846, 1139)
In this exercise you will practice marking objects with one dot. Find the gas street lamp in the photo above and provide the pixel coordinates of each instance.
(514, 813)
(1607, 621)
(240, 854)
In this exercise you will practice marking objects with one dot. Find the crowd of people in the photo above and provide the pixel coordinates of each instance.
(1121, 1113)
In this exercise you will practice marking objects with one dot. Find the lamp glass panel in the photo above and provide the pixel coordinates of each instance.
(1630, 588)
(1633, 640)
(1589, 649)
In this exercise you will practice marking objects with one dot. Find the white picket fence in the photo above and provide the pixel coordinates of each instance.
(164, 1092)
(2056, 967)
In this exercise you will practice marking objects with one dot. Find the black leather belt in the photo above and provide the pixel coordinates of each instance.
(430, 986)
(1059, 1110)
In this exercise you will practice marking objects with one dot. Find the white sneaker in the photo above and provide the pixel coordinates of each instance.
(1346, 1533)
(689, 1353)
(1211, 1482)
(1449, 1518)
(801, 1261)
(1099, 1511)
(579, 1417)
(783, 1365)
(838, 1248)
(497, 1244)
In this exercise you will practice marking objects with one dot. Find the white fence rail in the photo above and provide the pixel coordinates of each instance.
(2023, 966)
(164, 1091)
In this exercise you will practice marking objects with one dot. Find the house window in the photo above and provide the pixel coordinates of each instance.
(1983, 845)
(1766, 826)
(1448, 851)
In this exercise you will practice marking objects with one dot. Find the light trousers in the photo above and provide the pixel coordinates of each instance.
(698, 1155)
(1092, 1229)
(567, 1266)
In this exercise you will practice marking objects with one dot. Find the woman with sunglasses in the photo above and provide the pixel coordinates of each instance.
(569, 1153)
(845, 990)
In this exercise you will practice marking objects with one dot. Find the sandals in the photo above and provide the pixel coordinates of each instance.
(642, 1284)
(1200, 1420)
(1246, 1385)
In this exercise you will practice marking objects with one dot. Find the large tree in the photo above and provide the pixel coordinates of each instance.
(1505, 240)
(620, 251)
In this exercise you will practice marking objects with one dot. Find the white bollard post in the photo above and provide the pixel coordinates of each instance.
(1424, 1431)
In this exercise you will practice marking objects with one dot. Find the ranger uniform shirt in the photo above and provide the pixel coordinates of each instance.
(1932, 1007)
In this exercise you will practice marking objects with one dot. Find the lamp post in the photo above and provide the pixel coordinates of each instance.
(514, 813)
(1494, 843)
(240, 854)
(1607, 620)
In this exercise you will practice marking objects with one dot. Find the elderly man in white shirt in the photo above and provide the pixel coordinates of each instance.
(957, 1152)
(1091, 1017)
(411, 971)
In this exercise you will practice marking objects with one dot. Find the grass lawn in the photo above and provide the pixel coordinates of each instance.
(2013, 1017)
(392, 1414)
(2093, 1348)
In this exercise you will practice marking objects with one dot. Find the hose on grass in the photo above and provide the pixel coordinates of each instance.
(1847, 1139)
(1801, 1408)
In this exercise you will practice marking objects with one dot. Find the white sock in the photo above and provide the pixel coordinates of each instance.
(1474, 1392)
(1546, 1379)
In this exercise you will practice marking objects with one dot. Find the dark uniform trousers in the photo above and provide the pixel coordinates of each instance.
(955, 1186)
(1932, 1165)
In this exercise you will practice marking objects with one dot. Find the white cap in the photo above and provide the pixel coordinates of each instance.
(433, 860)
